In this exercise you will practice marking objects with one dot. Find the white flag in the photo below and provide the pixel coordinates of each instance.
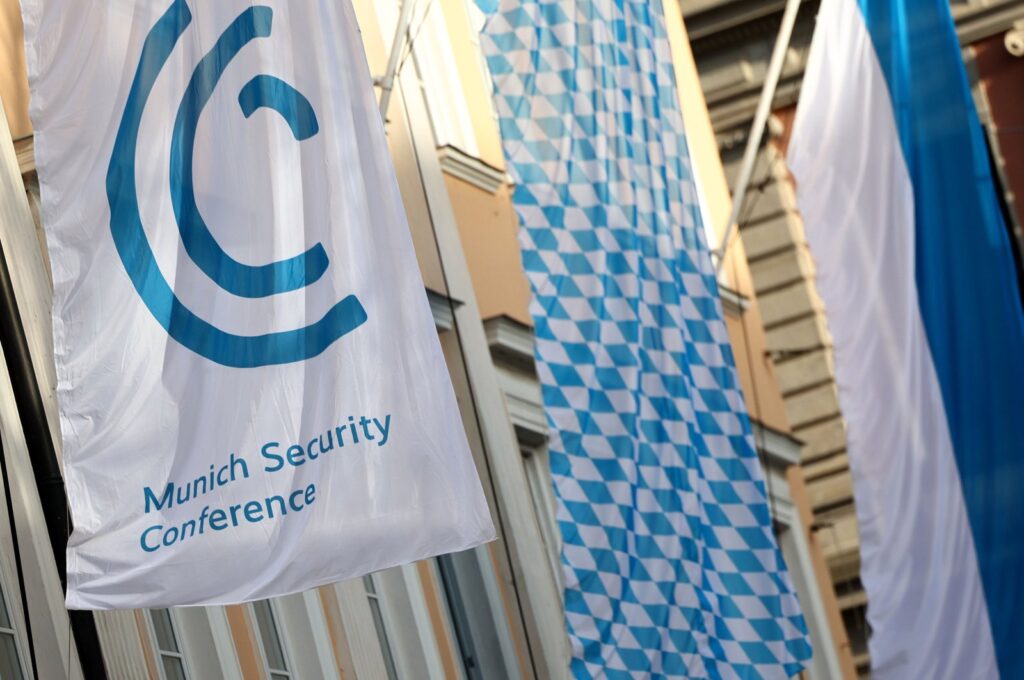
(253, 397)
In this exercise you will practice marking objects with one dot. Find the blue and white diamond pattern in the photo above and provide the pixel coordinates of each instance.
(671, 568)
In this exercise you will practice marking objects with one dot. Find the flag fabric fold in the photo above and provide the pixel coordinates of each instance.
(252, 393)
(671, 568)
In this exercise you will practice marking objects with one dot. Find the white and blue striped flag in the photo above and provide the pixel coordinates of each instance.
(671, 568)
(916, 272)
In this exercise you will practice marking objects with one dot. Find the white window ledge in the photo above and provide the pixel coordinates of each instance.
(461, 165)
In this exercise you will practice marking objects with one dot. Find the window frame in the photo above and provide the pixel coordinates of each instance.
(437, 71)
(384, 631)
(537, 468)
(478, 615)
(12, 630)
(282, 640)
(178, 640)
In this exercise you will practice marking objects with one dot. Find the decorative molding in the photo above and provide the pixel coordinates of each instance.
(443, 309)
(781, 448)
(25, 150)
(748, 25)
(523, 400)
(716, 18)
(724, 33)
(976, 22)
(733, 302)
(510, 340)
(511, 345)
(461, 165)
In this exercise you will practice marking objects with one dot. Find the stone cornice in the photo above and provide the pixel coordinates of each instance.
(471, 170)
(732, 41)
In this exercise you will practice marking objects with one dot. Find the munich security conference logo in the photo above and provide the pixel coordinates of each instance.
(243, 280)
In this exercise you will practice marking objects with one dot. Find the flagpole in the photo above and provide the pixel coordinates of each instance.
(387, 81)
(764, 107)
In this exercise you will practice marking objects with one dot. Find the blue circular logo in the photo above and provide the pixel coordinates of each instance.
(262, 91)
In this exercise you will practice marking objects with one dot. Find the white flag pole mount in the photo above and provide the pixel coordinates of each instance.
(764, 107)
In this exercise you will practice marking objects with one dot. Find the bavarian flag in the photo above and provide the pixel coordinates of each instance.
(670, 565)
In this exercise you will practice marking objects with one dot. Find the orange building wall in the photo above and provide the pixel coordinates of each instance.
(13, 81)
(475, 85)
(488, 226)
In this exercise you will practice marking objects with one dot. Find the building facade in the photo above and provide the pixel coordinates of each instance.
(492, 612)
(732, 41)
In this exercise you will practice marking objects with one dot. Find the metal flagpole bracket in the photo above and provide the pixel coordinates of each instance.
(764, 107)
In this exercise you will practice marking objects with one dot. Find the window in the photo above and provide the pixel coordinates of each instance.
(478, 615)
(10, 662)
(171, 661)
(438, 70)
(378, 622)
(853, 601)
(460, 618)
(478, 21)
(542, 494)
(270, 641)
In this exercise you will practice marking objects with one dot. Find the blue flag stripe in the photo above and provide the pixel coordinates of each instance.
(967, 290)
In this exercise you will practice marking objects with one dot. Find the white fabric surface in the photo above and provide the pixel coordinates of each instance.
(139, 409)
(925, 602)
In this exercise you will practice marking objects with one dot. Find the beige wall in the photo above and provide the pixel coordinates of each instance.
(487, 221)
(475, 86)
(414, 198)
(488, 226)
(700, 135)
(403, 156)
(13, 81)
(764, 403)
